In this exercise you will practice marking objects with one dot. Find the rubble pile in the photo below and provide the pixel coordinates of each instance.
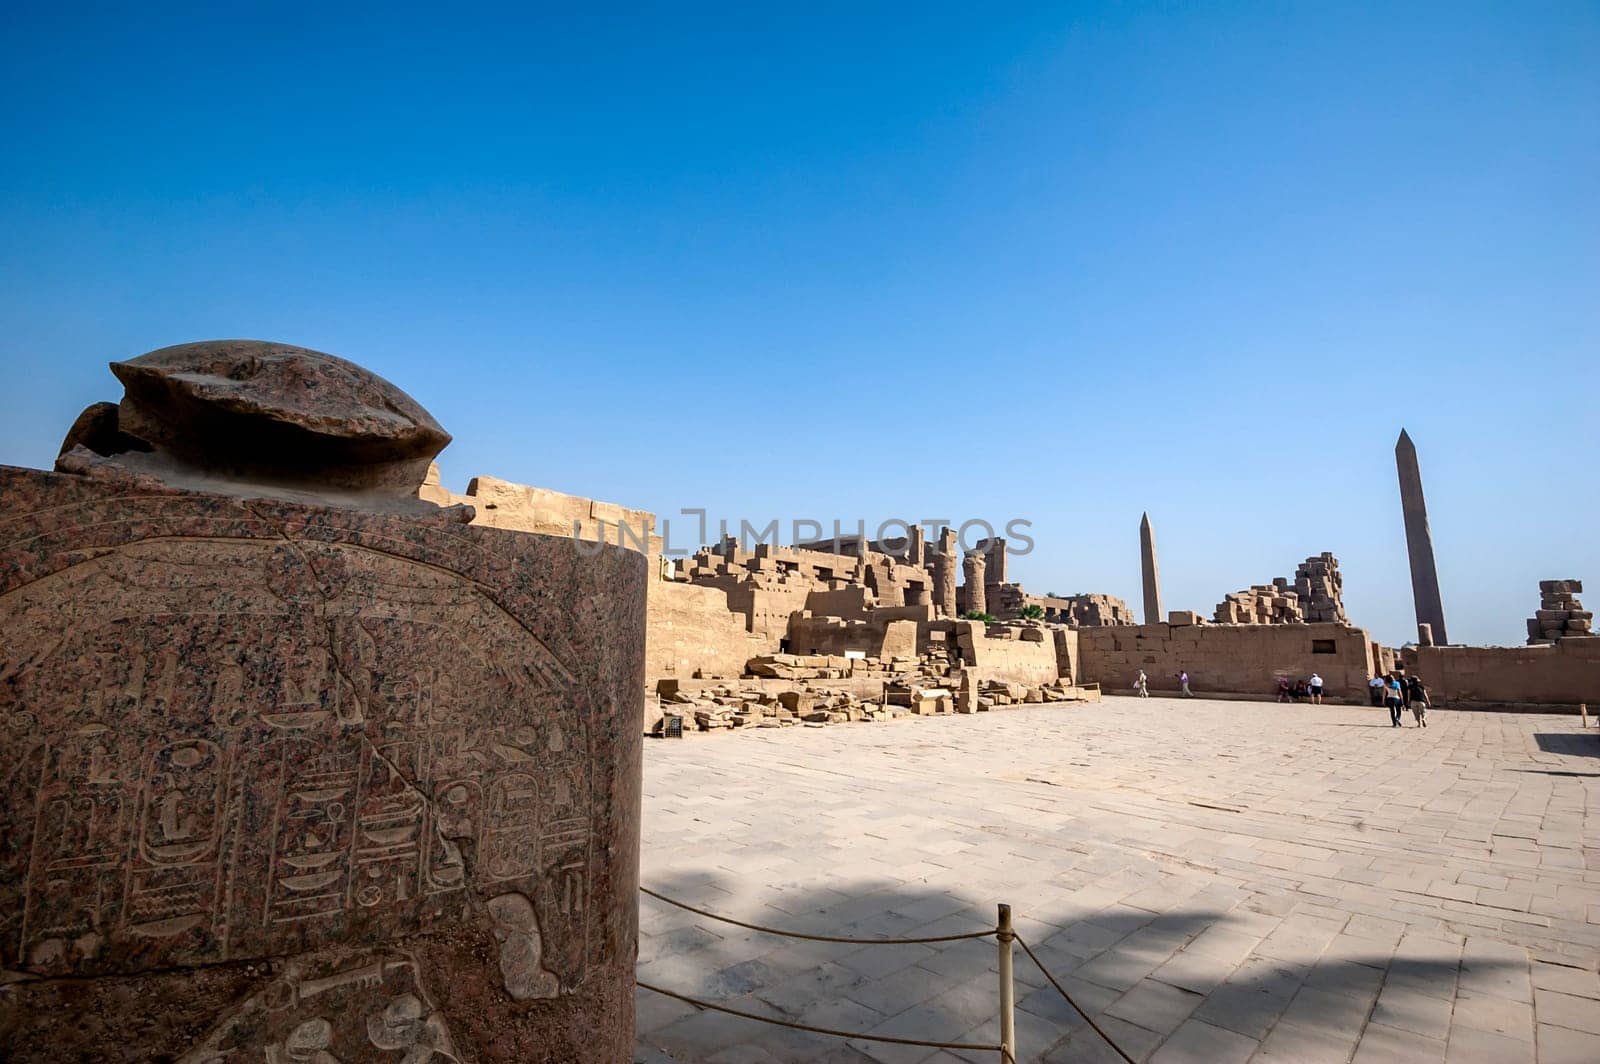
(728, 706)
(1321, 589)
(1560, 615)
(814, 690)
(1095, 611)
(1261, 604)
(1316, 596)
(822, 666)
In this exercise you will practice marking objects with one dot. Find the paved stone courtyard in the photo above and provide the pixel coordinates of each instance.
(1214, 881)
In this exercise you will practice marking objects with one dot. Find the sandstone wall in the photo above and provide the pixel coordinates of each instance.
(847, 602)
(832, 635)
(766, 610)
(1065, 641)
(502, 504)
(1017, 660)
(1563, 674)
(1224, 658)
(691, 631)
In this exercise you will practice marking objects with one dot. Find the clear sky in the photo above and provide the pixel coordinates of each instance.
(1201, 260)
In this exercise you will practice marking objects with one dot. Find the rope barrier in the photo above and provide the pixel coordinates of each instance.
(1062, 991)
(991, 932)
(818, 938)
(828, 1030)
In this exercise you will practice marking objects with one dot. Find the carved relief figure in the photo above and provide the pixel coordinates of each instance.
(516, 928)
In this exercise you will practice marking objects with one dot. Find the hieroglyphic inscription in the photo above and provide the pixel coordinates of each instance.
(335, 1008)
(259, 747)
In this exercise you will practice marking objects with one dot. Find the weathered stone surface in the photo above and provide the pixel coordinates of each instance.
(298, 782)
(973, 598)
(261, 413)
(1560, 615)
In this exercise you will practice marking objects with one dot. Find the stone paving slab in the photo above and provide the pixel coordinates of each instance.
(1210, 881)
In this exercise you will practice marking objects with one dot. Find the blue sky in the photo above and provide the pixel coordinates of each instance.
(1066, 264)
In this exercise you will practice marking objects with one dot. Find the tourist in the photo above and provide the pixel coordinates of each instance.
(1405, 690)
(1419, 699)
(1395, 700)
(1301, 690)
(1316, 689)
(1183, 681)
(1375, 687)
(1283, 689)
(1142, 685)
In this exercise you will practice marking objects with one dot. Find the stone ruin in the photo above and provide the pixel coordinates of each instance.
(854, 630)
(1089, 611)
(298, 767)
(1560, 615)
(904, 579)
(1321, 590)
(1260, 604)
(781, 690)
(1316, 596)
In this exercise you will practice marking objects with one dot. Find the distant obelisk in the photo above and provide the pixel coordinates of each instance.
(1419, 541)
(1152, 576)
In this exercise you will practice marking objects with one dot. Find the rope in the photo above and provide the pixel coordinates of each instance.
(819, 938)
(829, 1030)
(1037, 964)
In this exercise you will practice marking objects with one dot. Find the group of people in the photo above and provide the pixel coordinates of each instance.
(1141, 684)
(1311, 688)
(1400, 693)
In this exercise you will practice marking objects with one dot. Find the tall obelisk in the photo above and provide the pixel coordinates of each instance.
(1152, 576)
(1419, 541)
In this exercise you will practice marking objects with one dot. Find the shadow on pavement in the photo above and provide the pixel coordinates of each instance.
(1142, 975)
(1574, 744)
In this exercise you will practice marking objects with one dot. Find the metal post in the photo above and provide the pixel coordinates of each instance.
(1008, 994)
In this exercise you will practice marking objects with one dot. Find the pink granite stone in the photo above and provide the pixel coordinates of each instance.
(289, 781)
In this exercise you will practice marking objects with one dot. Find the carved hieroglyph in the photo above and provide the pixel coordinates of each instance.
(236, 730)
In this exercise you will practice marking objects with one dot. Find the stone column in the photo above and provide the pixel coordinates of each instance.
(1419, 540)
(994, 551)
(944, 573)
(973, 567)
(1152, 575)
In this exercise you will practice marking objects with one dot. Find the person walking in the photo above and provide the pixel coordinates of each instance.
(1405, 692)
(1316, 689)
(1283, 689)
(1395, 701)
(1375, 688)
(1142, 685)
(1419, 699)
(1183, 681)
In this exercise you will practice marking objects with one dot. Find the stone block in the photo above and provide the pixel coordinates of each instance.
(291, 779)
(1182, 618)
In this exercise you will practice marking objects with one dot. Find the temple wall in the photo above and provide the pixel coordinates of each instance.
(831, 635)
(1018, 660)
(691, 631)
(847, 602)
(521, 508)
(767, 610)
(1563, 674)
(1065, 642)
(1242, 659)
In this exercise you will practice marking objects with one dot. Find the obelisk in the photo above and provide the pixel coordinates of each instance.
(1152, 575)
(1419, 541)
